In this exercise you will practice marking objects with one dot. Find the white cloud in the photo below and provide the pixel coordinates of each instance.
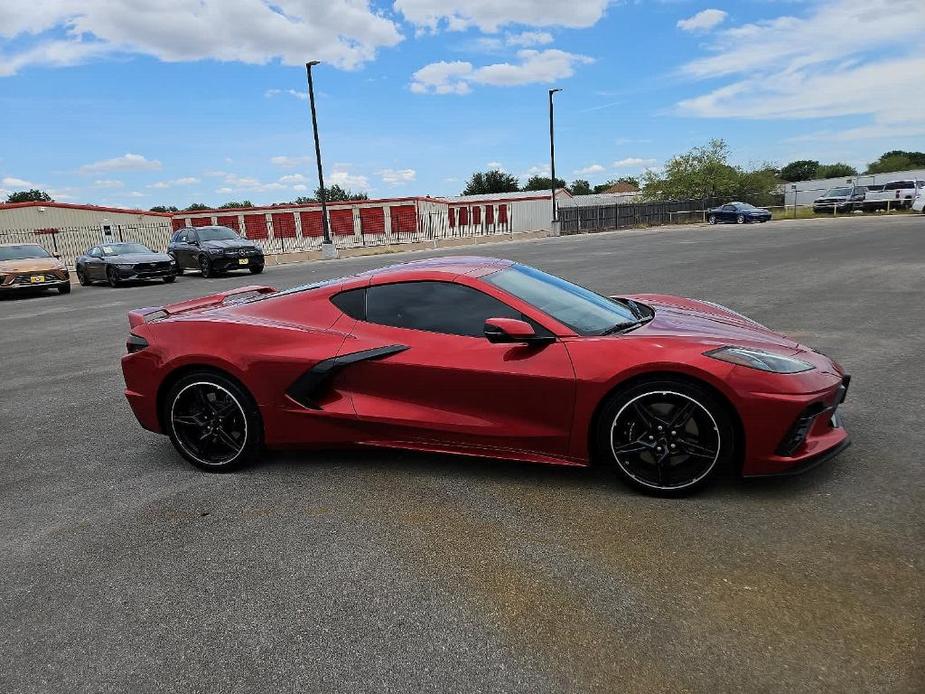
(342, 177)
(186, 181)
(269, 93)
(127, 162)
(633, 162)
(813, 67)
(224, 190)
(287, 162)
(490, 15)
(344, 33)
(292, 179)
(133, 194)
(590, 170)
(108, 183)
(536, 170)
(544, 66)
(703, 21)
(495, 166)
(394, 177)
(529, 38)
(12, 182)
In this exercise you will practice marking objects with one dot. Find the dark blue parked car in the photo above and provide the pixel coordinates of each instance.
(738, 213)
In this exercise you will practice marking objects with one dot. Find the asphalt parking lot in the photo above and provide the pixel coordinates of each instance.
(124, 568)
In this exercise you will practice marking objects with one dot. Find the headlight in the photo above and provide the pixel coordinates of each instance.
(126, 267)
(215, 251)
(759, 359)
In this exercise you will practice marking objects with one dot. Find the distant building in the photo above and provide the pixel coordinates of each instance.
(50, 215)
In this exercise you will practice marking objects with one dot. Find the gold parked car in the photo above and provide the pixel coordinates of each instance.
(29, 266)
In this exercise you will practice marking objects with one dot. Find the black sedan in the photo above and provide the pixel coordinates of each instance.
(738, 213)
(213, 250)
(117, 262)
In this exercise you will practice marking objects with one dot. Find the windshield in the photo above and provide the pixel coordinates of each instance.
(125, 248)
(216, 234)
(22, 252)
(580, 309)
(838, 192)
(745, 206)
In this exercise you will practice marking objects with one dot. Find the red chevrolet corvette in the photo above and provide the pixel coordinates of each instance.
(485, 357)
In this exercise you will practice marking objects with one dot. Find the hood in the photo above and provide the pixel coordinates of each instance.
(133, 258)
(228, 243)
(676, 316)
(30, 265)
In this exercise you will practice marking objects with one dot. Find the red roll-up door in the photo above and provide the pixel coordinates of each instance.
(372, 220)
(463, 216)
(311, 223)
(255, 226)
(477, 215)
(202, 221)
(283, 225)
(341, 222)
(178, 223)
(489, 214)
(451, 216)
(404, 218)
(502, 214)
(230, 221)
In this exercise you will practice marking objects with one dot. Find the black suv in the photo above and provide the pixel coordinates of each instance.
(213, 250)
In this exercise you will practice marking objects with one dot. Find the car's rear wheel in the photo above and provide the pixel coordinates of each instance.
(212, 421)
(666, 437)
(65, 288)
(112, 277)
(740, 219)
(712, 219)
(205, 266)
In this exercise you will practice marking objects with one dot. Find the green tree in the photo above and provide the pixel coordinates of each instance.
(543, 183)
(164, 208)
(800, 170)
(231, 204)
(837, 170)
(303, 200)
(29, 196)
(197, 207)
(897, 160)
(580, 187)
(492, 181)
(706, 172)
(607, 185)
(337, 194)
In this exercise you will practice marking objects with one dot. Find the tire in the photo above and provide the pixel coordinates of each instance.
(205, 266)
(740, 219)
(170, 279)
(65, 288)
(712, 219)
(111, 277)
(212, 421)
(82, 278)
(177, 264)
(627, 436)
(256, 269)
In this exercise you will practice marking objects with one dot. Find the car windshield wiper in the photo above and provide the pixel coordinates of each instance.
(624, 326)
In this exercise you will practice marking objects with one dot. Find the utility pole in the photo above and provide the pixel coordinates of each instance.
(328, 249)
(552, 155)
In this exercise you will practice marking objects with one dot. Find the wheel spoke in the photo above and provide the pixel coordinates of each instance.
(637, 446)
(188, 420)
(696, 449)
(682, 415)
(227, 439)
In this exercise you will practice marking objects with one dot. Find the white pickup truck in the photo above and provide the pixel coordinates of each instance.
(895, 194)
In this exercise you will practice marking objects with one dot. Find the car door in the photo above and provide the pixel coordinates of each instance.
(186, 250)
(444, 383)
(94, 267)
(729, 213)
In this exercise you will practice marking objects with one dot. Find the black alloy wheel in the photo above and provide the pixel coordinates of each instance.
(111, 276)
(65, 288)
(170, 279)
(82, 278)
(666, 438)
(205, 266)
(712, 219)
(212, 422)
(256, 269)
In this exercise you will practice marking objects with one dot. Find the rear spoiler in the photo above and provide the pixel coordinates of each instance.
(232, 296)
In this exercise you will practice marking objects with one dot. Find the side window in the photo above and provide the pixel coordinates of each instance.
(181, 237)
(95, 252)
(192, 237)
(438, 307)
(352, 302)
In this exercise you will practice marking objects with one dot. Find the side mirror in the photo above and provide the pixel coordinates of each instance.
(57, 255)
(511, 330)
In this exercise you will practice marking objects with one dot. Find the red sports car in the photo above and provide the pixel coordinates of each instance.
(484, 357)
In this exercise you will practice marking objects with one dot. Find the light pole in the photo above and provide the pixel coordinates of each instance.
(328, 249)
(552, 155)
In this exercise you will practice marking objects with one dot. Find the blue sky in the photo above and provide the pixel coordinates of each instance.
(137, 104)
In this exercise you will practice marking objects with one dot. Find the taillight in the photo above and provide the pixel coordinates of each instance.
(135, 343)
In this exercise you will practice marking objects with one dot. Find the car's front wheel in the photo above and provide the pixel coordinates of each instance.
(665, 437)
(712, 219)
(65, 288)
(256, 269)
(212, 421)
(82, 277)
(170, 279)
(111, 277)
(205, 266)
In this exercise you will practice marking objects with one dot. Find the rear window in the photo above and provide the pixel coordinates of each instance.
(899, 185)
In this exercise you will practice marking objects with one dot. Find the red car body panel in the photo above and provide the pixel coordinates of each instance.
(466, 395)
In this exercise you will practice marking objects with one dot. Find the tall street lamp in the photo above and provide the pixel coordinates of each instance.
(328, 249)
(552, 155)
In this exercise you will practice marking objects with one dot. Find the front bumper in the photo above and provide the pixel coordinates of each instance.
(50, 283)
(223, 263)
(134, 274)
